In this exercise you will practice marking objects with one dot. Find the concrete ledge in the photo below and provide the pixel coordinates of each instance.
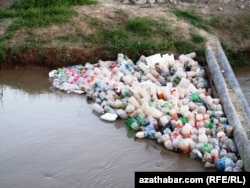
(227, 85)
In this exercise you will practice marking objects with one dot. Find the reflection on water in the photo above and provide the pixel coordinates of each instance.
(53, 139)
(243, 76)
(1, 94)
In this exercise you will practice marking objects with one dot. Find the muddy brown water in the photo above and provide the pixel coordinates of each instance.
(49, 138)
(243, 76)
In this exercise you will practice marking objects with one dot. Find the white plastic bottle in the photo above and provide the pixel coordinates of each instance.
(98, 108)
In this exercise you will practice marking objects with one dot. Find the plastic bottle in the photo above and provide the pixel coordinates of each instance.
(140, 134)
(192, 88)
(52, 73)
(167, 131)
(181, 93)
(172, 70)
(150, 130)
(122, 114)
(151, 77)
(160, 94)
(132, 124)
(168, 144)
(150, 111)
(164, 138)
(162, 81)
(199, 121)
(116, 104)
(206, 147)
(154, 73)
(136, 112)
(109, 116)
(145, 68)
(176, 78)
(220, 164)
(186, 131)
(229, 131)
(196, 98)
(152, 59)
(195, 153)
(102, 95)
(184, 146)
(184, 83)
(130, 108)
(141, 120)
(158, 68)
(167, 61)
(203, 138)
(174, 114)
(239, 164)
(164, 120)
(126, 92)
(132, 100)
(165, 91)
(109, 109)
(128, 79)
(179, 124)
(97, 108)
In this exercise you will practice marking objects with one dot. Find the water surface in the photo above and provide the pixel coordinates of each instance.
(49, 138)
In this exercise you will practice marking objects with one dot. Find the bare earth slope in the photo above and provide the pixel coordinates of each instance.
(107, 9)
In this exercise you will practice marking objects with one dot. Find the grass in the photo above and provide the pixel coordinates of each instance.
(192, 18)
(68, 38)
(140, 26)
(196, 38)
(41, 4)
(131, 36)
(31, 14)
(144, 35)
(136, 36)
(236, 56)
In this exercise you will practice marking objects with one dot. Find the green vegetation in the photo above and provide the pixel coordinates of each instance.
(132, 36)
(236, 56)
(197, 38)
(41, 4)
(144, 35)
(192, 18)
(242, 24)
(31, 14)
(140, 26)
(34, 14)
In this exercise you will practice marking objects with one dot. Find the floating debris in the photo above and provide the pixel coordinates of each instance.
(159, 97)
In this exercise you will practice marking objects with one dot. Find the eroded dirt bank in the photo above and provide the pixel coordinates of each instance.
(53, 56)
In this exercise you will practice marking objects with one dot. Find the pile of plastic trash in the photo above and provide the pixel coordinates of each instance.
(160, 97)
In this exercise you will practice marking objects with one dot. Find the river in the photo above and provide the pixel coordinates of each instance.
(243, 76)
(49, 138)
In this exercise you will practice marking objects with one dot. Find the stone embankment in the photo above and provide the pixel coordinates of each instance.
(234, 102)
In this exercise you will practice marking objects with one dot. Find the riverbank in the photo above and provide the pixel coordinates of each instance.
(55, 46)
(80, 40)
(232, 98)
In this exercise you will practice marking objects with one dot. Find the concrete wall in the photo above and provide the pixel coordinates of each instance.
(217, 61)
